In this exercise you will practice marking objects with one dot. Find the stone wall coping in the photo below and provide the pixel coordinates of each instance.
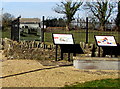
(96, 58)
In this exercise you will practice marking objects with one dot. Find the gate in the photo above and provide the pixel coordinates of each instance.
(15, 33)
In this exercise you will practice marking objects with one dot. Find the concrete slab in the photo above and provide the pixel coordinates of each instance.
(97, 63)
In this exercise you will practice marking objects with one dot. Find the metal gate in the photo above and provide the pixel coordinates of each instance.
(15, 33)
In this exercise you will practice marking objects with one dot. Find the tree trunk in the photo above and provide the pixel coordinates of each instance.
(102, 27)
(67, 27)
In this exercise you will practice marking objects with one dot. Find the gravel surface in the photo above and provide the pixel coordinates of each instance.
(32, 73)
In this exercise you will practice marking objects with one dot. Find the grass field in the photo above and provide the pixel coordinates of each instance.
(79, 35)
(6, 34)
(30, 37)
(97, 84)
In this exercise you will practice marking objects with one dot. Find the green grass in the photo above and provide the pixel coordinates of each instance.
(30, 37)
(97, 84)
(79, 35)
(6, 34)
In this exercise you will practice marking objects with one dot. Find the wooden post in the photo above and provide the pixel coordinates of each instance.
(56, 52)
(74, 54)
(69, 56)
(61, 55)
(99, 52)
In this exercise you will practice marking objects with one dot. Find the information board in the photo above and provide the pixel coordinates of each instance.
(63, 39)
(105, 41)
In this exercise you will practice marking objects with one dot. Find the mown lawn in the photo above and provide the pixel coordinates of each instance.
(99, 84)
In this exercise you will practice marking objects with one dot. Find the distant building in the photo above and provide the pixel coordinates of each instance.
(31, 23)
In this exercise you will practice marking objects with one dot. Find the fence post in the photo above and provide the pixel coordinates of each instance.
(43, 19)
(15, 29)
(86, 29)
(19, 28)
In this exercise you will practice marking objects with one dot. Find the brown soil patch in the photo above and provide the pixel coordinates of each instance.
(31, 73)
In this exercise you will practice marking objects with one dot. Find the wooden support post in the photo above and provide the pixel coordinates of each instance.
(111, 53)
(69, 56)
(61, 55)
(74, 54)
(56, 52)
(99, 52)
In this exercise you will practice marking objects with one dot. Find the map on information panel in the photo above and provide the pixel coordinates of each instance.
(63, 39)
(105, 41)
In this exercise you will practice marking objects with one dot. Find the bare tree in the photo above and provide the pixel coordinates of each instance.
(102, 10)
(6, 20)
(68, 8)
(118, 17)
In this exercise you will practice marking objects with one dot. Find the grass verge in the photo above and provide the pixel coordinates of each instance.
(104, 83)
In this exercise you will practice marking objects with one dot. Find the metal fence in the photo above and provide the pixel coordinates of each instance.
(83, 30)
(21, 33)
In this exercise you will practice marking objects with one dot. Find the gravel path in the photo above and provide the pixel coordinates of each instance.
(31, 73)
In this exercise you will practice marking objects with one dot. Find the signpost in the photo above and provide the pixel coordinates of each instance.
(63, 39)
(59, 39)
(105, 41)
(66, 42)
(108, 44)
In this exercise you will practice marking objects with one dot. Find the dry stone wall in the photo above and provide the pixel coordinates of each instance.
(38, 50)
(27, 50)
(90, 50)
